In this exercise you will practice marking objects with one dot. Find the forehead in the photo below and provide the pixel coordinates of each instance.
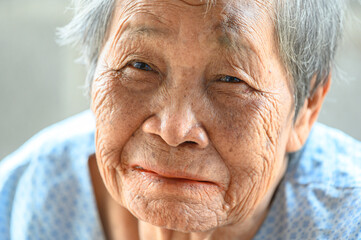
(234, 23)
(227, 14)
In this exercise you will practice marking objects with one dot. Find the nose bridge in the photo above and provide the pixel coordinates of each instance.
(178, 113)
(177, 119)
(176, 123)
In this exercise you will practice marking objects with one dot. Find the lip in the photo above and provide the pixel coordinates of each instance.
(173, 175)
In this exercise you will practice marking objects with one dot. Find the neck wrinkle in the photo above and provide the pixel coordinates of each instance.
(150, 232)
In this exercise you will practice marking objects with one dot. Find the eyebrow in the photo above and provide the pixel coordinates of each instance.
(146, 30)
(228, 29)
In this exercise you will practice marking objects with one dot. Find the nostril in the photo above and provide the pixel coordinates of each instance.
(189, 143)
(174, 132)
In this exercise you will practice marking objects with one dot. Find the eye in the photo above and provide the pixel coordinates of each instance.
(141, 66)
(230, 79)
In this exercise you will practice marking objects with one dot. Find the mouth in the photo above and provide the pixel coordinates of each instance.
(173, 176)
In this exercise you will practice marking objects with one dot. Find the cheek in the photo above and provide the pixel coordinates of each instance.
(249, 141)
(118, 114)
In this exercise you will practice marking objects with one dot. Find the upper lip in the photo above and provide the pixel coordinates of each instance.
(173, 174)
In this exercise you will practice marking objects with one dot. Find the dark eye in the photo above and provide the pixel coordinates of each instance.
(142, 66)
(230, 79)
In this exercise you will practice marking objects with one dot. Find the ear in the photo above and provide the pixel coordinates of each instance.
(307, 116)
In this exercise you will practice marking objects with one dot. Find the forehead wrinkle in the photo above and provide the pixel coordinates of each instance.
(128, 9)
(145, 11)
(193, 2)
(147, 31)
(239, 29)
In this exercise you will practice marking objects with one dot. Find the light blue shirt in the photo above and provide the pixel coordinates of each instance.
(46, 191)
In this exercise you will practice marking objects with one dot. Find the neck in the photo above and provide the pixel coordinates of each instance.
(118, 223)
(149, 231)
(246, 230)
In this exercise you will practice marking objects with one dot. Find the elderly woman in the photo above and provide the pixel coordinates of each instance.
(202, 127)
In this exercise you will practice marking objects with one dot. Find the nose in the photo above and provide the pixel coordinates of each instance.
(176, 127)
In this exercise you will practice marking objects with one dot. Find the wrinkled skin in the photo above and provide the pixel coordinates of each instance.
(179, 144)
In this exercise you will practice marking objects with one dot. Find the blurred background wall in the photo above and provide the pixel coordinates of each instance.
(40, 84)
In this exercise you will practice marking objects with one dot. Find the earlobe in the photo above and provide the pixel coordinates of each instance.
(307, 116)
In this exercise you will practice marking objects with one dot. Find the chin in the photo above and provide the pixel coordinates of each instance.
(174, 215)
(172, 204)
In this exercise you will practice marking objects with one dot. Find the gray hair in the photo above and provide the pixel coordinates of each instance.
(307, 31)
(86, 31)
(308, 35)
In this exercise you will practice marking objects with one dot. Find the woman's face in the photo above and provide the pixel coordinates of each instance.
(193, 111)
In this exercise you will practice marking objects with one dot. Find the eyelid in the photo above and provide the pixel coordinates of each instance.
(244, 79)
(148, 66)
(249, 80)
(225, 76)
(133, 58)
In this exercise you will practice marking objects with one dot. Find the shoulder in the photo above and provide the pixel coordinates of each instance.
(331, 141)
(320, 195)
(50, 157)
(60, 139)
(329, 157)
